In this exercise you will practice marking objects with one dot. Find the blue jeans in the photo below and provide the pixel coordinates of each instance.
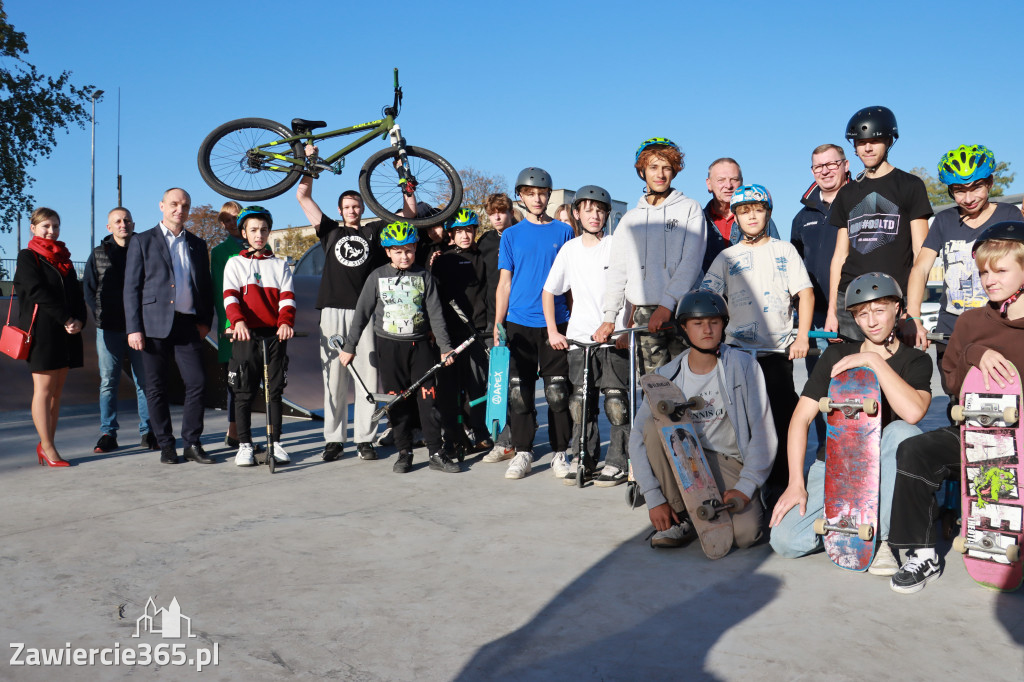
(111, 347)
(794, 536)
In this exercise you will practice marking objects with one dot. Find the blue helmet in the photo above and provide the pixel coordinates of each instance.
(254, 212)
(965, 164)
(650, 142)
(398, 234)
(751, 194)
(466, 217)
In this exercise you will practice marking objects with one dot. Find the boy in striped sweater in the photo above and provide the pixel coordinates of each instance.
(260, 305)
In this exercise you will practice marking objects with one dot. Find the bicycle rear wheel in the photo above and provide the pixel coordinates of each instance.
(437, 184)
(230, 168)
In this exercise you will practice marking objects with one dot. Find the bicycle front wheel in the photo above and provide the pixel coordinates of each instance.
(437, 184)
(231, 166)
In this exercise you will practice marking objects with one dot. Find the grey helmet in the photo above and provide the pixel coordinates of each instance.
(872, 286)
(703, 303)
(533, 177)
(594, 193)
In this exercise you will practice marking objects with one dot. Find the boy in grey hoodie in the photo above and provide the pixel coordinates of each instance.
(659, 246)
(735, 428)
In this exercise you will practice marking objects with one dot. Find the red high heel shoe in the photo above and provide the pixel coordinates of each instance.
(46, 461)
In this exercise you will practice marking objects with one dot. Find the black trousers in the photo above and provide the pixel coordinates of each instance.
(245, 378)
(528, 350)
(401, 363)
(922, 464)
(183, 347)
(458, 385)
(782, 397)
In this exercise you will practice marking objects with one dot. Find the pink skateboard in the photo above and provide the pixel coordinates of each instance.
(990, 447)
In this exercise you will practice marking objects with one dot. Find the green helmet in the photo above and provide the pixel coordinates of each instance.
(398, 234)
(965, 164)
(464, 218)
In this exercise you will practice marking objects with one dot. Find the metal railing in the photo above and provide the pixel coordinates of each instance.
(8, 265)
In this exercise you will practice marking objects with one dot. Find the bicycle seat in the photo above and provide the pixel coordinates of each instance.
(301, 125)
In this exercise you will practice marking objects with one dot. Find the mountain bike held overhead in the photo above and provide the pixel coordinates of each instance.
(255, 159)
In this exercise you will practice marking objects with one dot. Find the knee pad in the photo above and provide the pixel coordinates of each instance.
(516, 402)
(576, 405)
(616, 406)
(556, 390)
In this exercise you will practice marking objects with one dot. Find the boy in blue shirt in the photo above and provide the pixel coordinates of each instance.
(526, 254)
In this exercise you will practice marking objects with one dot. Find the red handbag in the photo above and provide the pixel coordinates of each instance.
(16, 342)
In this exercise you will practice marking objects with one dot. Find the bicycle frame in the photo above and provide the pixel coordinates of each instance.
(382, 127)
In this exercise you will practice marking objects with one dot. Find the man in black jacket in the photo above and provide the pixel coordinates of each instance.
(104, 287)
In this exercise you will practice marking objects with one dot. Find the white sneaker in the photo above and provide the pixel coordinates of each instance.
(520, 465)
(559, 467)
(570, 475)
(244, 457)
(884, 562)
(499, 454)
(675, 536)
(281, 455)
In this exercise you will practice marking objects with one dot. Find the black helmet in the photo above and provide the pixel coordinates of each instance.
(871, 122)
(871, 287)
(1010, 230)
(594, 193)
(703, 303)
(533, 177)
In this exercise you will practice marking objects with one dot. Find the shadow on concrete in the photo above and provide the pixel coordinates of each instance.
(638, 613)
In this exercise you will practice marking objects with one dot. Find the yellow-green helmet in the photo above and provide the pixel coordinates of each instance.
(466, 217)
(398, 234)
(965, 164)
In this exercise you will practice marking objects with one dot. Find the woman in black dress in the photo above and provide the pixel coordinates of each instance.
(46, 278)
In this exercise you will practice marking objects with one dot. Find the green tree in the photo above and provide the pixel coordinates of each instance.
(937, 195)
(33, 107)
(295, 243)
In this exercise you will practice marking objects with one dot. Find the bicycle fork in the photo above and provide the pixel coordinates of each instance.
(406, 180)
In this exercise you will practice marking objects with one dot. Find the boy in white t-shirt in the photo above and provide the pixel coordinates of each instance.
(580, 267)
(759, 276)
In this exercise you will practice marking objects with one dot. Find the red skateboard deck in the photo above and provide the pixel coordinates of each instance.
(852, 448)
(991, 507)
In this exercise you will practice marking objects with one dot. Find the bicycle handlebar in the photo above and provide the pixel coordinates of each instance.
(396, 78)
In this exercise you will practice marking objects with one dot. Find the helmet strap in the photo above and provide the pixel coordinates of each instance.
(716, 351)
(1010, 301)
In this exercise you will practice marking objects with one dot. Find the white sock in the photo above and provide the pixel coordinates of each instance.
(924, 553)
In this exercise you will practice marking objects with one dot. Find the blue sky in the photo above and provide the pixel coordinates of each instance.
(572, 87)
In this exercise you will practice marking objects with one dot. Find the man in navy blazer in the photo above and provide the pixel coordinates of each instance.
(168, 307)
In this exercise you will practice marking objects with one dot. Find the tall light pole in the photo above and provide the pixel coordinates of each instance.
(92, 229)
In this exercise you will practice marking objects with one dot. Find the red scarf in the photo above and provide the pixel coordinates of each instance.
(53, 251)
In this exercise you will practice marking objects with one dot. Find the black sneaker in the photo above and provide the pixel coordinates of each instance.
(366, 451)
(148, 441)
(332, 451)
(169, 455)
(440, 461)
(404, 462)
(915, 574)
(610, 477)
(106, 443)
(197, 454)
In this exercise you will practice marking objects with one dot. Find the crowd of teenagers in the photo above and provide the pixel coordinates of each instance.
(726, 307)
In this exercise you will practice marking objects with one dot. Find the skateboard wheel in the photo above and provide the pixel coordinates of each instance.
(666, 407)
(865, 531)
(271, 462)
(696, 403)
(819, 526)
(705, 512)
(960, 544)
(957, 413)
(870, 406)
(824, 406)
(1010, 415)
(1013, 553)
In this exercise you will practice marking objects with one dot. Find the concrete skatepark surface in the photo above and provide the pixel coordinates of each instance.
(346, 571)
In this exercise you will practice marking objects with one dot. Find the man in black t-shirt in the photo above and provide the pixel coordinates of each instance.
(882, 217)
(904, 376)
(351, 252)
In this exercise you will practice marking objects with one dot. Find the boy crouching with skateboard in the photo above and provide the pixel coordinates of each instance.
(988, 338)
(904, 375)
(260, 305)
(735, 427)
(401, 299)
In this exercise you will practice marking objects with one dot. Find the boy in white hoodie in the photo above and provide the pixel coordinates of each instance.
(659, 246)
